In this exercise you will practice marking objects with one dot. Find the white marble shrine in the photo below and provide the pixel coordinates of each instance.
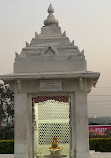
(50, 82)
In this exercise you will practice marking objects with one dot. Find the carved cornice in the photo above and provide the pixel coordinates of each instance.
(86, 84)
(18, 85)
(91, 82)
(81, 84)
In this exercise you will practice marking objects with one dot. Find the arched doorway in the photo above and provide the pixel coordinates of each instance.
(51, 118)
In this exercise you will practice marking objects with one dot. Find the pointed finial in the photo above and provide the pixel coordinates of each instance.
(16, 55)
(64, 34)
(72, 43)
(82, 52)
(50, 9)
(50, 18)
(27, 44)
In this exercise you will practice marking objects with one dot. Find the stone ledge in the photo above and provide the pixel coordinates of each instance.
(93, 154)
(46, 75)
(6, 156)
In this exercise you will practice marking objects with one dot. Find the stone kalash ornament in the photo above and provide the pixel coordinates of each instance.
(54, 149)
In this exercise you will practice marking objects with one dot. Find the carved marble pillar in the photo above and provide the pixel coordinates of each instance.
(81, 125)
(21, 141)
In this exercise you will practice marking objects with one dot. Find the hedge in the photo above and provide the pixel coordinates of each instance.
(100, 144)
(97, 144)
(6, 146)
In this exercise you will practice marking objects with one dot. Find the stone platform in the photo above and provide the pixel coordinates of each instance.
(6, 156)
(93, 154)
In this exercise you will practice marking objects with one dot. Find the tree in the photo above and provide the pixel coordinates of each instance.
(0, 106)
(7, 111)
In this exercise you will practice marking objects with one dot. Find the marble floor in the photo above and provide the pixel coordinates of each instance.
(92, 155)
(6, 156)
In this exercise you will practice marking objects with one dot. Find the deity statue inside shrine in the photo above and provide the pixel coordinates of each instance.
(54, 149)
(54, 144)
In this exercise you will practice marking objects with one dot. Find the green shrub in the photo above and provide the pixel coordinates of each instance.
(7, 133)
(6, 146)
(97, 144)
(100, 144)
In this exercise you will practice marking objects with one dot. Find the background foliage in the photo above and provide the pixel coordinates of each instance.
(6, 146)
(7, 108)
(97, 144)
(100, 144)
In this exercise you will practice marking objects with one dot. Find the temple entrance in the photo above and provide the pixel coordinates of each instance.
(51, 126)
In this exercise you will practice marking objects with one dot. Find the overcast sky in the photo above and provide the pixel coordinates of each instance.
(88, 22)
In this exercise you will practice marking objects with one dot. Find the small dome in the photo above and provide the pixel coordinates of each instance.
(51, 18)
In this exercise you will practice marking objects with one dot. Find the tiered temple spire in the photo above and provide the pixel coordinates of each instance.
(51, 18)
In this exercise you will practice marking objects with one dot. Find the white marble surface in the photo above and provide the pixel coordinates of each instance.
(92, 155)
(50, 55)
(6, 156)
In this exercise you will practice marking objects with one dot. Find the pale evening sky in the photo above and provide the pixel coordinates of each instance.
(87, 22)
